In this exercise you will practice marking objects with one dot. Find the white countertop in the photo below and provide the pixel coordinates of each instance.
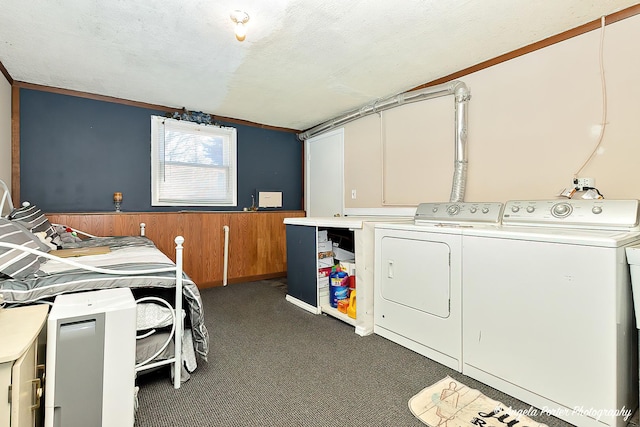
(352, 222)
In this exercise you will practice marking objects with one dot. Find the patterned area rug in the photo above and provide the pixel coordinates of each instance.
(448, 403)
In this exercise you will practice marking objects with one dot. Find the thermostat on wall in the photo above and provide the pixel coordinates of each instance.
(270, 199)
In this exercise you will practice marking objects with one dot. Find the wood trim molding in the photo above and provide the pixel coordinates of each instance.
(566, 35)
(104, 98)
(88, 95)
(252, 124)
(15, 145)
(6, 74)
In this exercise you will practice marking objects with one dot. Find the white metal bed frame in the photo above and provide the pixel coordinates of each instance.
(177, 329)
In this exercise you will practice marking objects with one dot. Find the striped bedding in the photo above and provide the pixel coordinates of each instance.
(127, 253)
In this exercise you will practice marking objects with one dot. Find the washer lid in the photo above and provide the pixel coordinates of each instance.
(570, 236)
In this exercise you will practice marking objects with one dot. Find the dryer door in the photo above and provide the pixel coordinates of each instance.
(416, 274)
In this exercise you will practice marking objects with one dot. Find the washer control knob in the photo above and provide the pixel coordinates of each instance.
(473, 209)
(485, 210)
(434, 210)
(597, 210)
(515, 208)
(561, 210)
(530, 209)
(453, 209)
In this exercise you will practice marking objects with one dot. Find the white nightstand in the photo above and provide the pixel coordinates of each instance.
(20, 378)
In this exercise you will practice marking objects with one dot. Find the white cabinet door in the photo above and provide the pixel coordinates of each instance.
(24, 389)
(19, 330)
(324, 174)
(5, 382)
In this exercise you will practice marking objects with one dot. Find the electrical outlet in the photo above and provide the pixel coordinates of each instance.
(353, 194)
(584, 183)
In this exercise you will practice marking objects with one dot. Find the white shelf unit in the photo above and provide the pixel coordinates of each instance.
(363, 229)
(323, 281)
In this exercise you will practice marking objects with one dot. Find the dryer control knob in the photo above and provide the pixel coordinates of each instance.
(485, 210)
(597, 210)
(434, 210)
(453, 209)
(515, 208)
(530, 209)
(561, 210)
(473, 209)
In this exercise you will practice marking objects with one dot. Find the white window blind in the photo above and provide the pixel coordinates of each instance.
(192, 164)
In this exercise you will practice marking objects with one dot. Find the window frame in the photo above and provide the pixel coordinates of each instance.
(229, 135)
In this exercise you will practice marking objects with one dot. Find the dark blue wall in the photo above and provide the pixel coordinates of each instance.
(76, 152)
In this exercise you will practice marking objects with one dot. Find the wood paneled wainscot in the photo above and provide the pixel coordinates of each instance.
(257, 240)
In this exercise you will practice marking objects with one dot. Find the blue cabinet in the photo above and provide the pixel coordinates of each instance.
(301, 264)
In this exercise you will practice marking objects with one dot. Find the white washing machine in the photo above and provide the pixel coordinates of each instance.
(547, 308)
(418, 278)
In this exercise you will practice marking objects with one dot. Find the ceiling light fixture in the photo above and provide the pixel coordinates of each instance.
(240, 18)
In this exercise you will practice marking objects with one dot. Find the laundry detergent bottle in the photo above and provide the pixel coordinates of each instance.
(338, 286)
(351, 310)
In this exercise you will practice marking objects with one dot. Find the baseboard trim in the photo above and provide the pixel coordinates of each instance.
(303, 305)
(243, 279)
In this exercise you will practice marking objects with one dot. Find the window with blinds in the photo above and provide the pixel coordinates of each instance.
(192, 164)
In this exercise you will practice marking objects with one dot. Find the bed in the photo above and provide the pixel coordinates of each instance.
(170, 316)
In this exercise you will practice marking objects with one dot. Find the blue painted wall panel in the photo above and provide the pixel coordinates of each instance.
(76, 152)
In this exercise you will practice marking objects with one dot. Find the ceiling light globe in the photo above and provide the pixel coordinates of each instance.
(241, 31)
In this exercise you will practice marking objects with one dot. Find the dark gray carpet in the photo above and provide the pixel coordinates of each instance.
(274, 364)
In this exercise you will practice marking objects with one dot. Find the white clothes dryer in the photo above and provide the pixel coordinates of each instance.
(547, 308)
(418, 278)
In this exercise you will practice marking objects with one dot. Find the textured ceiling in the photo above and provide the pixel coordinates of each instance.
(303, 61)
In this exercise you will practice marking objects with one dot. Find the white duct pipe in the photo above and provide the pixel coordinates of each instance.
(462, 97)
(226, 255)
